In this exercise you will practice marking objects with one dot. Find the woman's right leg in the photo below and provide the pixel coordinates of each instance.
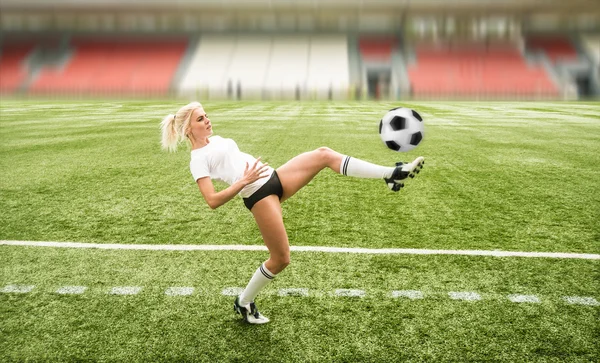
(300, 170)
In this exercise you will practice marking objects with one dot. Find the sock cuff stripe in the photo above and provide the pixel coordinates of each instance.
(345, 166)
(263, 270)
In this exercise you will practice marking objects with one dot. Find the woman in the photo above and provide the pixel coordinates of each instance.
(262, 188)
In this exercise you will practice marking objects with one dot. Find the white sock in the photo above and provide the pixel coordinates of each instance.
(362, 169)
(259, 280)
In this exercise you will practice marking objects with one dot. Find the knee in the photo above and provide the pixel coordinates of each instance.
(324, 150)
(325, 153)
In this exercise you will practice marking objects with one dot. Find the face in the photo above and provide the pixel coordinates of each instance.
(200, 125)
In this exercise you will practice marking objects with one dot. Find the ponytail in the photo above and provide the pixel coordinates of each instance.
(170, 139)
(175, 127)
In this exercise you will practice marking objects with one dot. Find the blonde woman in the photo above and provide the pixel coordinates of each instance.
(262, 188)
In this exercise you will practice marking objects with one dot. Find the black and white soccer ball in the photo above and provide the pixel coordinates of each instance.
(401, 129)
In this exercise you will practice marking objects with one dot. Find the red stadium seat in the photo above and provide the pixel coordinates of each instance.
(115, 66)
(12, 69)
(377, 49)
(556, 48)
(473, 70)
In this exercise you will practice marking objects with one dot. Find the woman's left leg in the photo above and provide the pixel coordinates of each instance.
(268, 216)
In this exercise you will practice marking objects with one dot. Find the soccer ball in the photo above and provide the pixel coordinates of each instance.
(401, 129)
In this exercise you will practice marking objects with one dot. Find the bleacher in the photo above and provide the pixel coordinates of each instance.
(556, 48)
(207, 69)
(249, 63)
(494, 71)
(288, 64)
(328, 68)
(377, 49)
(12, 65)
(278, 66)
(99, 66)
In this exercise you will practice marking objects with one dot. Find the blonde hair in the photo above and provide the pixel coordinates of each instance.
(175, 127)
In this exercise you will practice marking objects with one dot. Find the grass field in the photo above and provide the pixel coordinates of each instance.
(498, 176)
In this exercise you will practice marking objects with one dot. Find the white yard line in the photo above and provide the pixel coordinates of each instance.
(71, 290)
(524, 299)
(464, 295)
(125, 290)
(581, 300)
(179, 291)
(232, 291)
(350, 292)
(302, 291)
(384, 251)
(411, 294)
(18, 289)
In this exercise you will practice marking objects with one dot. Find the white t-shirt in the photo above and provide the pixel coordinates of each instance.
(221, 159)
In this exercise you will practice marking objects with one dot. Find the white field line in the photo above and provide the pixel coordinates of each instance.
(581, 300)
(411, 294)
(464, 295)
(179, 291)
(19, 289)
(232, 291)
(71, 290)
(524, 299)
(125, 290)
(350, 292)
(297, 292)
(383, 251)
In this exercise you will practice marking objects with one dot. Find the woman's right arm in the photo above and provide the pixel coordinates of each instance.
(217, 199)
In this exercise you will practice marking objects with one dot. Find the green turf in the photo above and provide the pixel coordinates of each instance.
(152, 326)
(505, 176)
(497, 176)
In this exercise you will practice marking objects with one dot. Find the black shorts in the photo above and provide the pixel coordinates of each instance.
(272, 186)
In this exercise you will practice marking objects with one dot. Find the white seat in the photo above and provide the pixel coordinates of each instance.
(209, 65)
(328, 68)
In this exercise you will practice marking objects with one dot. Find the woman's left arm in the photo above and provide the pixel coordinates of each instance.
(217, 199)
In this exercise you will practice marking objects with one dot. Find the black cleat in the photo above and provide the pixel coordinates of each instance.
(403, 171)
(249, 312)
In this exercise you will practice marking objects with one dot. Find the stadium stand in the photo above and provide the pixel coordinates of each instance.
(556, 48)
(288, 65)
(249, 64)
(476, 70)
(117, 66)
(377, 48)
(328, 66)
(12, 65)
(281, 66)
(209, 65)
(302, 50)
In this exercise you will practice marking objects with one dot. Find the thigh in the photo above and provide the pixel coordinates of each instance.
(301, 169)
(269, 218)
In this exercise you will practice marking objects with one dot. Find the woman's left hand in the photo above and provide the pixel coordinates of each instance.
(252, 174)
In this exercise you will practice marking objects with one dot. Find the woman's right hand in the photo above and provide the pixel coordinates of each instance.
(252, 174)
